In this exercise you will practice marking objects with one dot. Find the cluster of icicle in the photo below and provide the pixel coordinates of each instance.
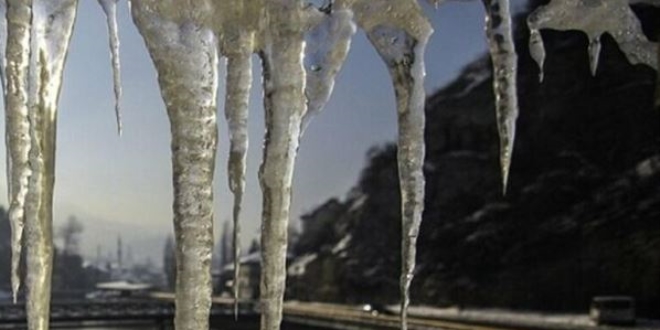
(302, 49)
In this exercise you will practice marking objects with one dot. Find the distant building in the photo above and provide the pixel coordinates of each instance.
(249, 274)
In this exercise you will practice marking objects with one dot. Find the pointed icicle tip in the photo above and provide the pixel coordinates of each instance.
(505, 179)
(435, 3)
(537, 51)
(110, 10)
(594, 54)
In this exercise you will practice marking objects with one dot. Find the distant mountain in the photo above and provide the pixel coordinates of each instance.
(580, 218)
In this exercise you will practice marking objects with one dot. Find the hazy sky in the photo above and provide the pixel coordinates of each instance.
(123, 185)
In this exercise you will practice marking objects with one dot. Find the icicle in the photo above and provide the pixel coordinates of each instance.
(537, 50)
(399, 32)
(435, 3)
(326, 49)
(45, 47)
(285, 105)
(505, 67)
(594, 54)
(3, 48)
(186, 59)
(19, 26)
(239, 20)
(239, 81)
(110, 10)
(657, 83)
(596, 17)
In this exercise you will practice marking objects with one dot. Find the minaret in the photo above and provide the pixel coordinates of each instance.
(119, 253)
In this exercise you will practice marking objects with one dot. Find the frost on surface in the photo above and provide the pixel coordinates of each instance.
(185, 55)
(594, 18)
(38, 34)
(505, 67)
(399, 32)
(110, 10)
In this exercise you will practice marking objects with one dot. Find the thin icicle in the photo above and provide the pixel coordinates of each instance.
(239, 82)
(537, 50)
(3, 49)
(285, 105)
(19, 26)
(657, 82)
(237, 21)
(186, 59)
(399, 32)
(505, 68)
(596, 17)
(436, 3)
(52, 25)
(327, 46)
(594, 54)
(3, 84)
(110, 10)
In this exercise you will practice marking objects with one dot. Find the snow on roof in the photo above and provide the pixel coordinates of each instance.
(299, 266)
(342, 244)
(123, 286)
(252, 258)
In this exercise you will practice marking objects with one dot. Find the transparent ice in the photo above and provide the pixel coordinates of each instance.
(302, 49)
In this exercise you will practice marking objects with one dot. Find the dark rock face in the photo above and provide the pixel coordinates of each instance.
(581, 217)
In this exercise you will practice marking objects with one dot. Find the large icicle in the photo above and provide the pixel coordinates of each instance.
(19, 27)
(596, 17)
(186, 58)
(399, 32)
(110, 10)
(505, 68)
(285, 105)
(326, 49)
(52, 25)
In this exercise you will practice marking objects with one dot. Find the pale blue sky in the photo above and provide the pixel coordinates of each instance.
(118, 184)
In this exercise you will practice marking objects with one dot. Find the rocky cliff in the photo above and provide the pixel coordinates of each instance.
(581, 217)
